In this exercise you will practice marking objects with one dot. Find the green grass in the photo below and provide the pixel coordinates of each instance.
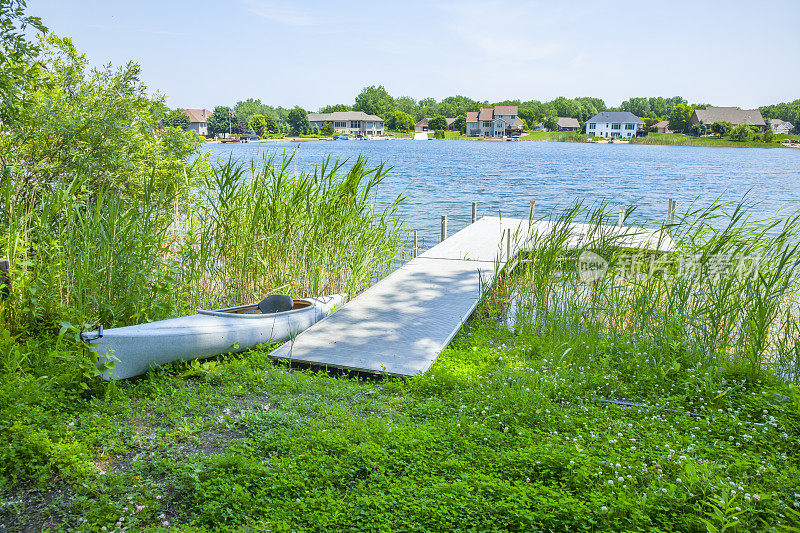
(505, 432)
(401, 134)
(677, 139)
(554, 136)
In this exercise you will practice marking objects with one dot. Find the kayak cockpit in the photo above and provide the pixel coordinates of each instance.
(276, 304)
(254, 309)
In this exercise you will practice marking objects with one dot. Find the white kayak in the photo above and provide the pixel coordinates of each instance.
(133, 349)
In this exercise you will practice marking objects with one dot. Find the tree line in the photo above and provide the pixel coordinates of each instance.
(401, 113)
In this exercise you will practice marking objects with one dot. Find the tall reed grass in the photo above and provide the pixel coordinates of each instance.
(244, 231)
(725, 299)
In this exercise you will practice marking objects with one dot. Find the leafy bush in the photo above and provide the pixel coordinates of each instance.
(741, 133)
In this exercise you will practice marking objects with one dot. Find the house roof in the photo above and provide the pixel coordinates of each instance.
(517, 123)
(342, 116)
(486, 113)
(506, 109)
(423, 122)
(450, 120)
(568, 122)
(662, 124)
(472, 116)
(776, 122)
(197, 115)
(623, 117)
(734, 115)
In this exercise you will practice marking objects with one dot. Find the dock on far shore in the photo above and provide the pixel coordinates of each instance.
(399, 326)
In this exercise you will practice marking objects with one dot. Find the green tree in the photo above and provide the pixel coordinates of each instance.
(334, 108)
(176, 119)
(438, 123)
(298, 121)
(259, 125)
(220, 121)
(97, 125)
(767, 136)
(244, 110)
(400, 121)
(679, 117)
(17, 68)
(551, 123)
(272, 124)
(460, 123)
(722, 127)
(407, 105)
(327, 129)
(741, 132)
(375, 101)
(638, 106)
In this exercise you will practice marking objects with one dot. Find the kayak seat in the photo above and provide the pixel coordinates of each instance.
(276, 303)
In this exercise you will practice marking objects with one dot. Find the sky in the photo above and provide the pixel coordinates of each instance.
(201, 54)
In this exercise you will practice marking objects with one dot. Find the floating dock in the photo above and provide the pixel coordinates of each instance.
(400, 325)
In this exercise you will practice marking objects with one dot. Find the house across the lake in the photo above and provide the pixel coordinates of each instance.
(734, 115)
(568, 124)
(494, 121)
(198, 120)
(614, 125)
(780, 126)
(662, 127)
(422, 125)
(355, 123)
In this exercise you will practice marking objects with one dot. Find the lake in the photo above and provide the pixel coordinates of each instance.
(444, 177)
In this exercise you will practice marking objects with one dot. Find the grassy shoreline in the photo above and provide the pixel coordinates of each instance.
(664, 139)
(507, 431)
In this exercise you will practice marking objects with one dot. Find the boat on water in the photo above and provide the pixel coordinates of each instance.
(133, 349)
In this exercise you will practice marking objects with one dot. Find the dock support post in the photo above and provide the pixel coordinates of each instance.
(414, 250)
(621, 216)
(443, 235)
(670, 215)
(474, 211)
(532, 211)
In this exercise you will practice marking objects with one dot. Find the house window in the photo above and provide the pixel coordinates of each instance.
(629, 126)
(615, 126)
(355, 123)
(487, 123)
(591, 125)
(340, 124)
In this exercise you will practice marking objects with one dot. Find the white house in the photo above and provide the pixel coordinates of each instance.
(614, 124)
(349, 122)
(780, 126)
(198, 120)
(494, 121)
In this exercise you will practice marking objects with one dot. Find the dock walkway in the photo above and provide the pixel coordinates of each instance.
(399, 325)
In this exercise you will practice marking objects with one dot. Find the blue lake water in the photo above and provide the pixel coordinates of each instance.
(444, 177)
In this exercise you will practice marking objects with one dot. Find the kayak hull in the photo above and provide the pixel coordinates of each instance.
(133, 349)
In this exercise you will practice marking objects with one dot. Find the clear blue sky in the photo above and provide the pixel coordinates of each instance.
(206, 53)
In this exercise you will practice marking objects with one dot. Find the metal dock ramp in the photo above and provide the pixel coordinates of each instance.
(399, 325)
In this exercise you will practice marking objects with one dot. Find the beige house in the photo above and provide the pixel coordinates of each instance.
(198, 120)
(779, 126)
(494, 121)
(355, 123)
(734, 115)
(662, 127)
